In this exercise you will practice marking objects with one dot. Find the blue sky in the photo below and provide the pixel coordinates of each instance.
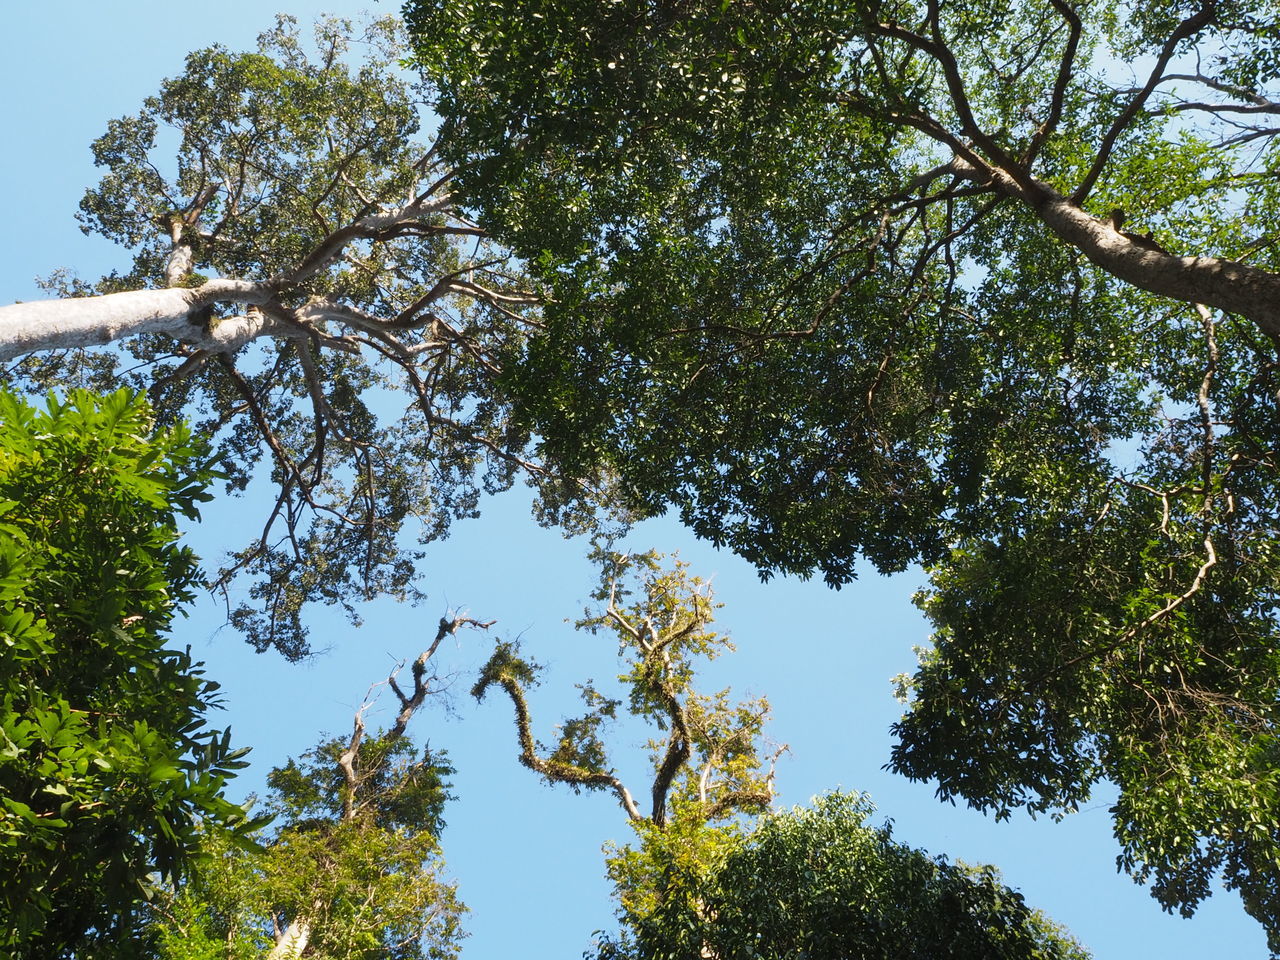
(527, 856)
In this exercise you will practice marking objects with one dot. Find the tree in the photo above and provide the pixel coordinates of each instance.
(305, 288)
(109, 776)
(709, 759)
(986, 286)
(822, 883)
(351, 867)
(701, 880)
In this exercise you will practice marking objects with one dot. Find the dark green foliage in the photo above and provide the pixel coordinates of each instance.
(783, 303)
(107, 772)
(706, 269)
(1079, 650)
(822, 884)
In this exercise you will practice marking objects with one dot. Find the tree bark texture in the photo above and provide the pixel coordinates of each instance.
(181, 313)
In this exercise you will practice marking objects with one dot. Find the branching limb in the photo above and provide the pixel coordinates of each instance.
(371, 227)
(1066, 67)
(677, 753)
(1099, 653)
(347, 763)
(1241, 93)
(507, 670)
(1186, 29)
(410, 703)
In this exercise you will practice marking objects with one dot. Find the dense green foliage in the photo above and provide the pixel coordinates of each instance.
(108, 773)
(850, 279)
(368, 884)
(823, 884)
(701, 878)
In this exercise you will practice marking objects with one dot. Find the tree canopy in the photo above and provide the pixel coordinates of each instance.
(989, 287)
(109, 777)
(711, 872)
(986, 286)
(305, 290)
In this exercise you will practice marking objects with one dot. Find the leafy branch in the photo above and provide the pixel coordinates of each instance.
(709, 760)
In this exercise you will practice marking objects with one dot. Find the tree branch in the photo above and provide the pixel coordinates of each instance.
(1228, 285)
(498, 671)
(1188, 27)
(1065, 67)
(409, 704)
(178, 312)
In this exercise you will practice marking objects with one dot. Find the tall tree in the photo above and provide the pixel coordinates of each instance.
(351, 866)
(305, 288)
(703, 880)
(989, 286)
(109, 776)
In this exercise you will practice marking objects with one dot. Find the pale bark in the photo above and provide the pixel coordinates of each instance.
(293, 941)
(184, 313)
(1227, 285)
(176, 312)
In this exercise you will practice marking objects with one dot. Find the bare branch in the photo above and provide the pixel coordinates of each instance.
(409, 704)
(1241, 93)
(1267, 107)
(347, 763)
(371, 227)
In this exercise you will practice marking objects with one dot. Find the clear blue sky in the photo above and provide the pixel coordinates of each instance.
(527, 856)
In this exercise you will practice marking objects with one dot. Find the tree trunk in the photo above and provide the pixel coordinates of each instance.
(1227, 285)
(181, 313)
(293, 941)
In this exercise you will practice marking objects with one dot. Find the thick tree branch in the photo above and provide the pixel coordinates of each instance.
(181, 313)
(347, 764)
(1228, 285)
(677, 753)
(553, 770)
